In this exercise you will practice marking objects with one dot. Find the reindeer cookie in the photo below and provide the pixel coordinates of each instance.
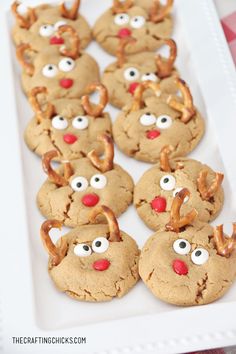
(144, 128)
(122, 77)
(188, 264)
(92, 262)
(72, 191)
(38, 26)
(65, 72)
(154, 193)
(126, 19)
(69, 125)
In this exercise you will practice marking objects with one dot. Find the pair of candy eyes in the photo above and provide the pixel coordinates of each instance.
(99, 245)
(61, 123)
(80, 183)
(162, 121)
(65, 65)
(168, 182)
(47, 30)
(199, 256)
(124, 19)
(132, 74)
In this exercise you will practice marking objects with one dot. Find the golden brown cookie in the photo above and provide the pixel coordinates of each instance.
(75, 188)
(126, 19)
(37, 26)
(92, 262)
(154, 192)
(188, 264)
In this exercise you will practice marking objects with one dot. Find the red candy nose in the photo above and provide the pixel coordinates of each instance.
(56, 40)
(132, 87)
(70, 138)
(153, 134)
(101, 264)
(159, 204)
(124, 32)
(90, 200)
(66, 83)
(180, 267)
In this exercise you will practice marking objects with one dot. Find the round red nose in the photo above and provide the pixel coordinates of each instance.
(70, 138)
(124, 32)
(153, 134)
(90, 200)
(159, 204)
(101, 264)
(66, 83)
(56, 40)
(132, 87)
(180, 267)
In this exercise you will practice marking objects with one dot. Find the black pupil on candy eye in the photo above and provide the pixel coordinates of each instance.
(198, 253)
(182, 244)
(79, 184)
(61, 118)
(136, 19)
(132, 73)
(97, 179)
(121, 17)
(166, 180)
(86, 248)
(163, 120)
(68, 62)
(50, 67)
(148, 114)
(148, 74)
(80, 119)
(98, 243)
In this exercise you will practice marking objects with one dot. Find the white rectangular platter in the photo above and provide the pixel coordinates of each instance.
(137, 323)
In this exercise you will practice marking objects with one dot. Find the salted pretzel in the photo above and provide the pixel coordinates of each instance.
(121, 6)
(120, 54)
(71, 13)
(52, 174)
(74, 51)
(176, 221)
(111, 220)
(20, 54)
(56, 252)
(24, 21)
(165, 67)
(105, 164)
(40, 113)
(164, 158)
(95, 110)
(224, 245)
(159, 12)
(207, 192)
(138, 93)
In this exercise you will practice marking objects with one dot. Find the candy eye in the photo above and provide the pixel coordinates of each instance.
(164, 122)
(147, 119)
(82, 250)
(59, 122)
(181, 246)
(177, 190)
(59, 24)
(100, 245)
(149, 77)
(66, 64)
(50, 70)
(46, 30)
(167, 183)
(137, 22)
(121, 19)
(199, 256)
(131, 74)
(98, 181)
(80, 122)
(79, 184)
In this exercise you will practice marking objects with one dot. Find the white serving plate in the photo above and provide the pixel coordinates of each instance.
(137, 323)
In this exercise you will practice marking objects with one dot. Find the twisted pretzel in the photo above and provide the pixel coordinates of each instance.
(23, 21)
(187, 109)
(20, 54)
(74, 51)
(53, 175)
(57, 253)
(158, 12)
(205, 191)
(164, 158)
(165, 67)
(121, 6)
(224, 245)
(92, 110)
(72, 14)
(138, 93)
(176, 221)
(111, 219)
(105, 164)
(40, 114)
(120, 53)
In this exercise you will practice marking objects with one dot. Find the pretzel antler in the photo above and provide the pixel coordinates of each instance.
(224, 245)
(71, 13)
(74, 51)
(187, 108)
(164, 158)
(120, 53)
(53, 175)
(105, 164)
(165, 67)
(57, 253)
(121, 6)
(111, 219)
(40, 113)
(20, 54)
(92, 110)
(138, 93)
(205, 191)
(158, 12)
(176, 221)
(23, 21)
